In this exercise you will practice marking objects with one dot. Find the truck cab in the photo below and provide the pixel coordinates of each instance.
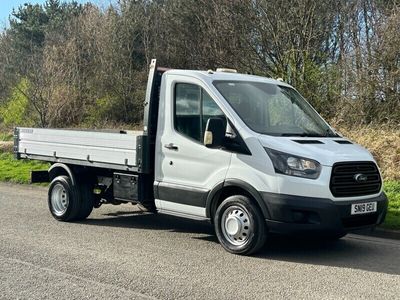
(247, 153)
(276, 151)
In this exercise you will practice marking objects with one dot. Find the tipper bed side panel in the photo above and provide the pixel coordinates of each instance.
(93, 146)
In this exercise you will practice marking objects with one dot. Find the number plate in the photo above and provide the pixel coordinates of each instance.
(363, 208)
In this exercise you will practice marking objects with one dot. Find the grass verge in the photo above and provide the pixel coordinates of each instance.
(392, 189)
(6, 136)
(18, 171)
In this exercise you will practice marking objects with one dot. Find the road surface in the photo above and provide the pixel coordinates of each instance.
(120, 254)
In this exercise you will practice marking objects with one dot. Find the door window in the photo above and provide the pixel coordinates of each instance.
(193, 108)
(210, 109)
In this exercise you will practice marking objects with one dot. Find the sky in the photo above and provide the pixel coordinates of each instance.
(6, 7)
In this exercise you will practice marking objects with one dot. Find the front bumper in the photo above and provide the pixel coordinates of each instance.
(296, 215)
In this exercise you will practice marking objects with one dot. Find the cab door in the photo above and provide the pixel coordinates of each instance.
(186, 170)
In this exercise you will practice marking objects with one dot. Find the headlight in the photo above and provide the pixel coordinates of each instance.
(293, 165)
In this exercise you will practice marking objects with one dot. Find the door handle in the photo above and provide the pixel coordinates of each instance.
(171, 146)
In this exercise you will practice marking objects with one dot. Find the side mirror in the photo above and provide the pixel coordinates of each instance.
(215, 133)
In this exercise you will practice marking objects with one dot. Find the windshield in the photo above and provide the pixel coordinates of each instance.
(273, 109)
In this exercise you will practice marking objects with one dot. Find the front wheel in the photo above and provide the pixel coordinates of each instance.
(239, 225)
(336, 236)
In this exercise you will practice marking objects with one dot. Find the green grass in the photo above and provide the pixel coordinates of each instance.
(5, 136)
(18, 171)
(392, 189)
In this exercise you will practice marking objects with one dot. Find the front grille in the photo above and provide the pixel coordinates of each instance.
(360, 221)
(343, 179)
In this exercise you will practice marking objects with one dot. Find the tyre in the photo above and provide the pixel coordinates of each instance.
(240, 225)
(63, 199)
(86, 201)
(336, 236)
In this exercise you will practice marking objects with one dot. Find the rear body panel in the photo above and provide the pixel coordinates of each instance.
(116, 150)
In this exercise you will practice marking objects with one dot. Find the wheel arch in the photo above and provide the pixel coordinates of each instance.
(231, 187)
(58, 169)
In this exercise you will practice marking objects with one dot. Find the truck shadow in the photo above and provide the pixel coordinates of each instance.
(148, 221)
(353, 251)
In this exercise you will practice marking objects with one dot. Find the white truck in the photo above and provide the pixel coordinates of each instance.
(246, 153)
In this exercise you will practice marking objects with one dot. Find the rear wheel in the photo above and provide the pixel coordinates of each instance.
(239, 225)
(86, 201)
(63, 199)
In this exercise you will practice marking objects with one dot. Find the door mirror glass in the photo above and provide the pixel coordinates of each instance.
(215, 133)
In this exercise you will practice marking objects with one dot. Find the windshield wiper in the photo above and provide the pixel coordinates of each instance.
(303, 134)
(328, 133)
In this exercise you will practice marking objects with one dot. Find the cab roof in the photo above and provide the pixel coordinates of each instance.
(210, 76)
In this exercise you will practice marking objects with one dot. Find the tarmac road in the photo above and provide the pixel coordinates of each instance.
(120, 254)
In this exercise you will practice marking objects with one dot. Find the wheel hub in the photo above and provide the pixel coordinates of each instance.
(236, 226)
(233, 225)
(59, 199)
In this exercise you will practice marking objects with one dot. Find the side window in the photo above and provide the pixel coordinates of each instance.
(193, 108)
(187, 110)
(210, 109)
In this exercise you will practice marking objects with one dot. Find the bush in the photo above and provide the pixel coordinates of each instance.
(15, 110)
